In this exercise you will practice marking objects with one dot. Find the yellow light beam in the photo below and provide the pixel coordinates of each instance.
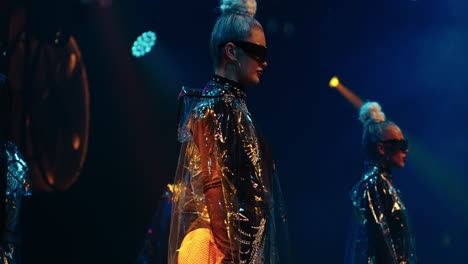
(350, 96)
(443, 178)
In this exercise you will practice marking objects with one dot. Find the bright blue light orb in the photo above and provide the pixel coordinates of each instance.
(143, 44)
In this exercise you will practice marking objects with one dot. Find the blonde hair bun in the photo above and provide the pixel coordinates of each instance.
(371, 112)
(240, 7)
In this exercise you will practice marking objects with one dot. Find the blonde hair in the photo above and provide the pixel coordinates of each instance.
(375, 123)
(235, 23)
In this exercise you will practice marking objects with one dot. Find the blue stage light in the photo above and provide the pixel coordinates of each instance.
(143, 44)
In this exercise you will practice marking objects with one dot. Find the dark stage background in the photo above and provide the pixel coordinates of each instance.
(411, 56)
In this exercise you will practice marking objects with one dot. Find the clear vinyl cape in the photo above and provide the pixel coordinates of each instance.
(380, 232)
(227, 203)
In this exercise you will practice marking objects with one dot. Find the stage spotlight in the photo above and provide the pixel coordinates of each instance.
(348, 94)
(143, 44)
(334, 82)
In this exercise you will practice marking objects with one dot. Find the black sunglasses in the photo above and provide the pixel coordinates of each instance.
(256, 52)
(400, 144)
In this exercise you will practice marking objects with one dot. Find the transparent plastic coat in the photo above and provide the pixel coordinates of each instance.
(381, 233)
(227, 201)
(18, 186)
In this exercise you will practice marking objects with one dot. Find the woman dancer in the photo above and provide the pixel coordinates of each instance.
(384, 226)
(227, 207)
